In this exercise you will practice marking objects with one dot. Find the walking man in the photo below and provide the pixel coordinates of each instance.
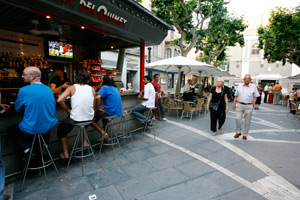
(266, 92)
(244, 101)
(157, 86)
(277, 93)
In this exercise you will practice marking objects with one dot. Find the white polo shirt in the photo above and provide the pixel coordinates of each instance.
(149, 93)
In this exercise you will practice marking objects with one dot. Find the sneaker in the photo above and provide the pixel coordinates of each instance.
(164, 119)
(214, 133)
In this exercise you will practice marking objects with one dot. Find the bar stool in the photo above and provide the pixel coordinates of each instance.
(44, 164)
(152, 119)
(125, 131)
(76, 149)
(112, 134)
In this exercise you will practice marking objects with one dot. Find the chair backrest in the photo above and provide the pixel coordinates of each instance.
(187, 107)
(172, 104)
(285, 98)
(293, 106)
(199, 104)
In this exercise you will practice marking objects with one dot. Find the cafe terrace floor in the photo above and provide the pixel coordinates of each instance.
(185, 162)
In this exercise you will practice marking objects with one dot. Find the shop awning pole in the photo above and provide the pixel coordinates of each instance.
(142, 65)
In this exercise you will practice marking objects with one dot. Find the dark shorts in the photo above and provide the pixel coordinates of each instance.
(100, 115)
(65, 127)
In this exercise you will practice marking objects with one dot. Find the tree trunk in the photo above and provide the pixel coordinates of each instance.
(120, 62)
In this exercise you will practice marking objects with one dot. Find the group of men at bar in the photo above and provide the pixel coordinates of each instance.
(38, 104)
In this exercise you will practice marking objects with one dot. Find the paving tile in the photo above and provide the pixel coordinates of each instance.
(136, 187)
(107, 177)
(240, 193)
(225, 157)
(139, 168)
(167, 177)
(159, 149)
(31, 195)
(212, 146)
(63, 189)
(140, 198)
(187, 141)
(195, 169)
(181, 156)
(105, 193)
(163, 161)
(247, 171)
(138, 155)
(204, 187)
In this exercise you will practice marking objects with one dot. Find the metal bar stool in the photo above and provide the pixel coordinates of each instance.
(152, 119)
(125, 131)
(44, 164)
(76, 149)
(112, 134)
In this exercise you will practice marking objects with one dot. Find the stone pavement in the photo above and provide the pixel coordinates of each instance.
(184, 161)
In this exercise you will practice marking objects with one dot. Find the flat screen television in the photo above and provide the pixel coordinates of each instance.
(60, 50)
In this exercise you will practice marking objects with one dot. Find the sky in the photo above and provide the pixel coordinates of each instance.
(254, 8)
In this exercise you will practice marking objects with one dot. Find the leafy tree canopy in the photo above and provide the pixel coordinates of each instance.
(280, 39)
(204, 24)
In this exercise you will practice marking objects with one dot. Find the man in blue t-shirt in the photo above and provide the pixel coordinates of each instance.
(37, 102)
(112, 103)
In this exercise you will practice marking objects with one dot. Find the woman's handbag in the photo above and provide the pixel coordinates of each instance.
(215, 106)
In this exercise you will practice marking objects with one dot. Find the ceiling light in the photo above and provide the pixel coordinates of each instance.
(111, 47)
(82, 27)
(48, 17)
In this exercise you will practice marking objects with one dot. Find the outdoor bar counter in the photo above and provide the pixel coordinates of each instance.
(10, 117)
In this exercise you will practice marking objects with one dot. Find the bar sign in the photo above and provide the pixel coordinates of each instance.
(92, 197)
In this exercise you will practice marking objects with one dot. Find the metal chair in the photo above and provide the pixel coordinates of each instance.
(112, 133)
(152, 119)
(44, 164)
(187, 109)
(81, 133)
(174, 106)
(125, 130)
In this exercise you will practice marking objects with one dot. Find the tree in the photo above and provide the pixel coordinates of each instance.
(203, 24)
(280, 39)
(224, 31)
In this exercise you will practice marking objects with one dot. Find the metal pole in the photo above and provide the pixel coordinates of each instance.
(142, 65)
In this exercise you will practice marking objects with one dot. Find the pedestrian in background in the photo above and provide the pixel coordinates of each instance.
(258, 99)
(245, 98)
(218, 96)
(266, 92)
(157, 86)
(277, 93)
(271, 93)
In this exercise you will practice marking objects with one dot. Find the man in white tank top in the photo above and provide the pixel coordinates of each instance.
(82, 107)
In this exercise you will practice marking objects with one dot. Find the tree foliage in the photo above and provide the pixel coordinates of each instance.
(204, 24)
(280, 39)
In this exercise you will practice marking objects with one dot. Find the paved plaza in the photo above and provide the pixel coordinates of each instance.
(184, 161)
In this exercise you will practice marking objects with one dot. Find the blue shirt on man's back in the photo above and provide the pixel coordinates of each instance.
(112, 100)
(38, 103)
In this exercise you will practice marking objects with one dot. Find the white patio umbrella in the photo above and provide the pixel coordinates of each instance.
(179, 64)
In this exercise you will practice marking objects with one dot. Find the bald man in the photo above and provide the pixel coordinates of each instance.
(37, 102)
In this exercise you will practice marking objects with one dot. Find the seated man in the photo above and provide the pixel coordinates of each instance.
(83, 97)
(148, 101)
(38, 104)
(188, 91)
(112, 103)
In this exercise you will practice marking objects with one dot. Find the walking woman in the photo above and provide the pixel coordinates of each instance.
(217, 103)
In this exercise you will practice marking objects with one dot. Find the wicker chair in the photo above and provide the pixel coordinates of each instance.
(187, 109)
(174, 106)
(199, 106)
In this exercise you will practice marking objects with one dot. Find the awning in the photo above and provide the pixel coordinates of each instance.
(268, 77)
(114, 23)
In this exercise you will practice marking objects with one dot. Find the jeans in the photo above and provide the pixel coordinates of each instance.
(138, 112)
(2, 174)
(161, 108)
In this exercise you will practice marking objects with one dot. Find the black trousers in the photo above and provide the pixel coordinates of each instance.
(266, 96)
(24, 140)
(217, 116)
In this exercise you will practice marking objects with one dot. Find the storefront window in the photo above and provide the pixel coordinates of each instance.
(170, 80)
(168, 53)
